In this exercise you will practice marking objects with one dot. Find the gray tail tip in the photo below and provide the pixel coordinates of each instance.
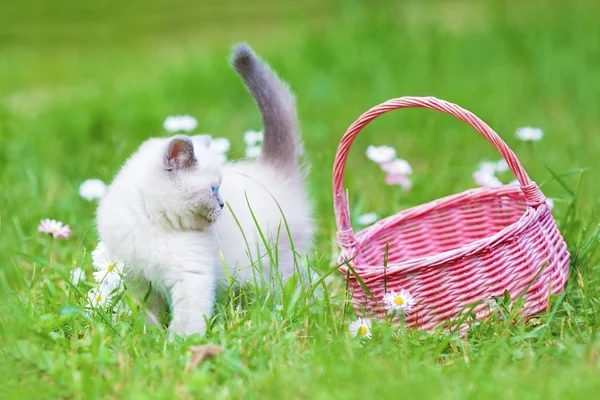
(243, 57)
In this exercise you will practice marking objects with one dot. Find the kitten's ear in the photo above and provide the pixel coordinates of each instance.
(180, 153)
(202, 140)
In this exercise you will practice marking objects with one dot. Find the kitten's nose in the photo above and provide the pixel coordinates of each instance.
(221, 204)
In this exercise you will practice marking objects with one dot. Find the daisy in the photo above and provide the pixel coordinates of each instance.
(361, 328)
(488, 167)
(55, 228)
(253, 151)
(97, 297)
(77, 275)
(187, 123)
(529, 134)
(397, 166)
(401, 180)
(401, 301)
(253, 138)
(502, 166)
(367, 219)
(92, 189)
(381, 154)
(178, 123)
(486, 180)
(109, 270)
(220, 145)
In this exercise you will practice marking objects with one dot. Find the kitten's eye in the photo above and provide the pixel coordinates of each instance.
(214, 189)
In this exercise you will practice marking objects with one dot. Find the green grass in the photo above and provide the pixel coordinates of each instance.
(82, 87)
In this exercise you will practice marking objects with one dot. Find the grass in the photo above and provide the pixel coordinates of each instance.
(84, 87)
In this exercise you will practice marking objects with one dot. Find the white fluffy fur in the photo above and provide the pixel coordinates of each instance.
(161, 217)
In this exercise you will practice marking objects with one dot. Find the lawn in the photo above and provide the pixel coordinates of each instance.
(81, 86)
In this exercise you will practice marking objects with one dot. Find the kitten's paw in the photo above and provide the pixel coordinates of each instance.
(182, 329)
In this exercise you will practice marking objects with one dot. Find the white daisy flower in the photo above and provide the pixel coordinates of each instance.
(398, 179)
(109, 278)
(253, 138)
(487, 167)
(179, 123)
(529, 134)
(401, 301)
(77, 275)
(502, 166)
(397, 166)
(57, 229)
(187, 123)
(381, 154)
(92, 189)
(361, 328)
(253, 151)
(109, 270)
(220, 145)
(171, 124)
(367, 219)
(98, 297)
(486, 180)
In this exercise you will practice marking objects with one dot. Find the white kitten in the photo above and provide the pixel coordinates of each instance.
(164, 214)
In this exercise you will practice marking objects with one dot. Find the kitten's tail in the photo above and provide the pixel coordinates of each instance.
(277, 106)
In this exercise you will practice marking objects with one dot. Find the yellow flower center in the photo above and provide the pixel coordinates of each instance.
(362, 330)
(399, 301)
(99, 298)
(111, 267)
(54, 229)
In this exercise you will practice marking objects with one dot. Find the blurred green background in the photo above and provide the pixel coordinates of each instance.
(82, 84)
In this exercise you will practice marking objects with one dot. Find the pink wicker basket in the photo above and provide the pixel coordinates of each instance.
(456, 251)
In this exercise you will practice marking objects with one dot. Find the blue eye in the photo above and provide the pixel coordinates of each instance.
(215, 190)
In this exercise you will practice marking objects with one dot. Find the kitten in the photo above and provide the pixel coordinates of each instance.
(165, 216)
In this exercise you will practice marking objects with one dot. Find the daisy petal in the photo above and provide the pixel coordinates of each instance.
(401, 180)
(397, 167)
(367, 219)
(253, 151)
(253, 138)
(361, 328)
(529, 134)
(92, 189)
(381, 154)
(54, 228)
(220, 145)
(486, 180)
(401, 301)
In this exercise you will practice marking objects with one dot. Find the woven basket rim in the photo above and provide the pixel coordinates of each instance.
(510, 232)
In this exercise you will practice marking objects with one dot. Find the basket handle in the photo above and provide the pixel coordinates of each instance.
(346, 238)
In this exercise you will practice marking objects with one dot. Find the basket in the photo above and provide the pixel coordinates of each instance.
(453, 253)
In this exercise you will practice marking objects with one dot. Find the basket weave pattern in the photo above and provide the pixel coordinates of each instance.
(457, 250)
